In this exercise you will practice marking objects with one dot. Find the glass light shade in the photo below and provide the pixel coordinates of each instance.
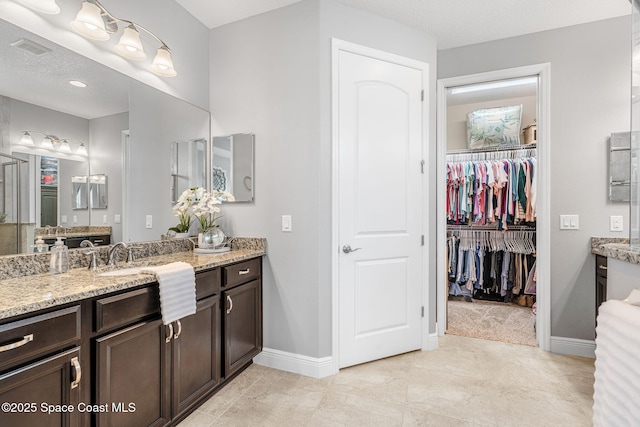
(162, 64)
(26, 139)
(45, 6)
(82, 150)
(130, 46)
(47, 143)
(65, 147)
(89, 23)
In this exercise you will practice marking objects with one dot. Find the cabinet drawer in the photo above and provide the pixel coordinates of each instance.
(207, 283)
(25, 339)
(242, 272)
(123, 309)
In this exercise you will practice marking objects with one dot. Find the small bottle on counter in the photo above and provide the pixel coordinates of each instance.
(59, 262)
(40, 245)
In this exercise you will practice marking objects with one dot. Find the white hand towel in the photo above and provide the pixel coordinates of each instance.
(177, 290)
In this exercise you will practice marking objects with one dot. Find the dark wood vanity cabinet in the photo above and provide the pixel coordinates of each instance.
(40, 369)
(136, 370)
(242, 319)
(601, 281)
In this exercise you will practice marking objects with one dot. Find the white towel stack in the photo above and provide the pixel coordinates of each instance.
(177, 290)
(616, 399)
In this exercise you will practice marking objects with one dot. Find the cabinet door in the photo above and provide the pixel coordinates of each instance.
(132, 376)
(242, 325)
(53, 381)
(196, 354)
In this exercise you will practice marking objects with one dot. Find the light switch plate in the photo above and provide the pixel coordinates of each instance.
(569, 222)
(616, 223)
(116, 218)
(149, 221)
(63, 219)
(286, 223)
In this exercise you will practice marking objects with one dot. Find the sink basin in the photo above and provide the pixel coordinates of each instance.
(125, 269)
(121, 272)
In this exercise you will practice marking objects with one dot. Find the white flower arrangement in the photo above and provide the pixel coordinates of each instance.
(199, 203)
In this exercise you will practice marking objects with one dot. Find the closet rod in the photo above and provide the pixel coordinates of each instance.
(493, 150)
(490, 227)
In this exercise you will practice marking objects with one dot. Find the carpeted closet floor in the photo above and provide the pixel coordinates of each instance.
(494, 321)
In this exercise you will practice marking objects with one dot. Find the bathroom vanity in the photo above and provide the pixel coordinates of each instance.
(84, 349)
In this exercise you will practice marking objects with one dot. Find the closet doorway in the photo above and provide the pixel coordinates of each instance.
(493, 222)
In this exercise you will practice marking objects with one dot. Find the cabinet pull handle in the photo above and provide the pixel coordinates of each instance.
(602, 267)
(26, 339)
(168, 337)
(230, 304)
(78, 370)
(175, 337)
(243, 272)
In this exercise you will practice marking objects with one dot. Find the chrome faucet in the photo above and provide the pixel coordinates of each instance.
(93, 262)
(111, 257)
(60, 228)
(48, 229)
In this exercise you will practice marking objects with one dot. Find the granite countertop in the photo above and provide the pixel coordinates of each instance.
(27, 294)
(616, 248)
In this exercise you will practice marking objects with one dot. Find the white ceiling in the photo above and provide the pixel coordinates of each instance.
(454, 23)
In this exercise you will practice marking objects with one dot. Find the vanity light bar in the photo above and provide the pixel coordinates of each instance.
(95, 22)
(53, 143)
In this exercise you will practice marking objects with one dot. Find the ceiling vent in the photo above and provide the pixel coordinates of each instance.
(31, 47)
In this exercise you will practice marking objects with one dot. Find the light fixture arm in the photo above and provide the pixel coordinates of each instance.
(135, 25)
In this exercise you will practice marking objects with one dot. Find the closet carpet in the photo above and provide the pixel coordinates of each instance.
(494, 321)
(465, 382)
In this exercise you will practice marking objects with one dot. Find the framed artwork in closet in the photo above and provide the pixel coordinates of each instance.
(494, 127)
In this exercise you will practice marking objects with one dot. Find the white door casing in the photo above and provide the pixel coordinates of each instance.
(378, 140)
(543, 223)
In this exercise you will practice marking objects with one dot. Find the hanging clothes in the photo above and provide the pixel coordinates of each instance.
(484, 192)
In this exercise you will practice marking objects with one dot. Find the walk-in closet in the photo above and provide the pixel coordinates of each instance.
(491, 200)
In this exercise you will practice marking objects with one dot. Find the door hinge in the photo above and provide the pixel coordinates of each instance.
(422, 95)
(422, 239)
(421, 166)
(422, 311)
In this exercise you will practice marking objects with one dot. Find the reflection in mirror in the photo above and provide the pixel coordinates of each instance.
(232, 165)
(79, 188)
(187, 166)
(98, 195)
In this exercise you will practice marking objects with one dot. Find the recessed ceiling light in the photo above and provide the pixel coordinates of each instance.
(77, 83)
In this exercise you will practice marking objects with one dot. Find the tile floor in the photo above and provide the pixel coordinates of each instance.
(466, 382)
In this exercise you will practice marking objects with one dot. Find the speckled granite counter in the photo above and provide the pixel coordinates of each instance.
(29, 293)
(616, 248)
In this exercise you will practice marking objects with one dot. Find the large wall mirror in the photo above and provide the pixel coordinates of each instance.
(125, 126)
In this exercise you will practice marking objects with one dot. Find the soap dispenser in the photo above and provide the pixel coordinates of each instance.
(59, 262)
(40, 245)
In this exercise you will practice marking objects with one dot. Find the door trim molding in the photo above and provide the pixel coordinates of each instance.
(543, 236)
(338, 45)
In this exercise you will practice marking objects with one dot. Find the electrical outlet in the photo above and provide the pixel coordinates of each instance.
(63, 219)
(149, 221)
(116, 218)
(616, 223)
(75, 219)
(286, 223)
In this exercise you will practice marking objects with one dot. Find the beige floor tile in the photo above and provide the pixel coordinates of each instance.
(466, 382)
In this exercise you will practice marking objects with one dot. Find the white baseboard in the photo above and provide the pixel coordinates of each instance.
(431, 342)
(573, 347)
(296, 363)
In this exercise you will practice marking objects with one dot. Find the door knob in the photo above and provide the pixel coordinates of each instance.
(347, 249)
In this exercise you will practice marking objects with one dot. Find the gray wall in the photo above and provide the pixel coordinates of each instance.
(270, 75)
(106, 158)
(590, 98)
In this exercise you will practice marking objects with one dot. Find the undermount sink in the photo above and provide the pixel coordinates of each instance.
(126, 269)
(121, 272)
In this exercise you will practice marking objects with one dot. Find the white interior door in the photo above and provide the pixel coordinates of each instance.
(380, 185)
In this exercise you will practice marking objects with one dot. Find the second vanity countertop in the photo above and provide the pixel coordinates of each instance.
(36, 292)
(615, 248)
